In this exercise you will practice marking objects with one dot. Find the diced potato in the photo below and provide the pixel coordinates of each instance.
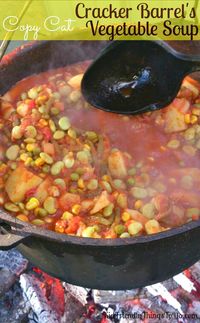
(6, 109)
(75, 81)
(191, 87)
(42, 190)
(174, 120)
(101, 202)
(20, 182)
(161, 202)
(152, 226)
(116, 164)
(67, 200)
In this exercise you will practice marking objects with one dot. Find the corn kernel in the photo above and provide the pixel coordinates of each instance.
(105, 178)
(76, 208)
(30, 147)
(194, 119)
(81, 183)
(39, 162)
(28, 161)
(187, 118)
(43, 123)
(32, 204)
(24, 157)
(138, 204)
(125, 216)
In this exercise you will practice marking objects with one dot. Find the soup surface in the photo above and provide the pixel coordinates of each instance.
(71, 168)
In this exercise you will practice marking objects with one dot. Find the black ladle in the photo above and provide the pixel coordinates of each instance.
(132, 77)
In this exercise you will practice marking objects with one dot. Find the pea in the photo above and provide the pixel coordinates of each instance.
(47, 158)
(30, 132)
(59, 134)
(42, 212)
(11, 207)
(12, 152)
(187, 182)
(148, 210)
(93, 184)
(134, 228)
(68, 161)
(64, 123)
(139, 192)
(108, 210)
(57, 168)
(173, 144)
(82, 156)
(131, 181)
(80, 171)
(119, 184)
(50, 205)
(74, 177)
(46, 169)
(119, 229)
(192, 211)
(33, 94)
(16, 132)
(38, 222)
(132, 171)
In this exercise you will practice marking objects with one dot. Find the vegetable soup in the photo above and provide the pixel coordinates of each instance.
(73, 169)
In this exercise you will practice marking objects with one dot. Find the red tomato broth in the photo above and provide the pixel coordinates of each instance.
(135, 200)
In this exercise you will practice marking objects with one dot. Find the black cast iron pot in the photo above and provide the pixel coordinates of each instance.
(96, 263)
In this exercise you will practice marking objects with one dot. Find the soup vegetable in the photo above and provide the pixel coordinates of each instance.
(73, 169)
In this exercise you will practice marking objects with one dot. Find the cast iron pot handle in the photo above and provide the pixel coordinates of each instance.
(12, 231)
(9, 240)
